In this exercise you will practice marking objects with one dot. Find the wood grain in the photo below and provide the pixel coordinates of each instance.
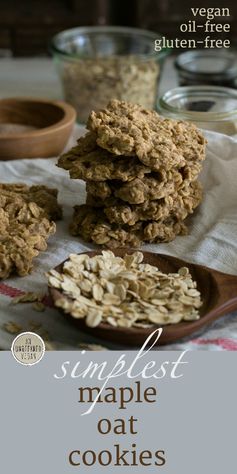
(53, 120)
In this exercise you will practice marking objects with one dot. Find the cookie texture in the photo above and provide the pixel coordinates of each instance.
(96, 164)
(93, 226)
(141, 173)
(127, 129)
(179, 204)
(45, 197)
(152, 186)
(25, 225)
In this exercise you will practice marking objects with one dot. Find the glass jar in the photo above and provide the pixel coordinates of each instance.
(210, 107)
(207, 67)
(97, 64)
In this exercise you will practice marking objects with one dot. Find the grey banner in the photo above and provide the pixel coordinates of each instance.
(190, 428)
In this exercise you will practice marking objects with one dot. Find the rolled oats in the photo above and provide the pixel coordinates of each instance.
(94, 318)
(97, 292)
(140, 294)
(90, 83)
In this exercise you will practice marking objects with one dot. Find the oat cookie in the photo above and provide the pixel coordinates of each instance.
(123, 128)
(179, 205)
(100, 165)
(158, 232)
(24, 225)
(93, 226)
(86, 144)
(152, 186)
(24, 230)
(44, 197)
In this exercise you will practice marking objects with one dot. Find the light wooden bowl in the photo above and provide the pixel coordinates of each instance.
(52, 121)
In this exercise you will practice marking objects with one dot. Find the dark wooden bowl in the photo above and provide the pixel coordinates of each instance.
(53, 122)
(218, 292)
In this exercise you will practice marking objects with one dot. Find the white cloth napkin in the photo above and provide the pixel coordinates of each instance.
(212, 242)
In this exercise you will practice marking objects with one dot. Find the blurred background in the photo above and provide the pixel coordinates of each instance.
(27, 26)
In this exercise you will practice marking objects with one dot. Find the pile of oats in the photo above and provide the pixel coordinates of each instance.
(90, 83)
(124, 292)
(141, 175)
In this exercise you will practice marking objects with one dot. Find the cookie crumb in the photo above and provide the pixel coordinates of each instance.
(12, 328)
(92, 347)
(29, 297)
(39, 306)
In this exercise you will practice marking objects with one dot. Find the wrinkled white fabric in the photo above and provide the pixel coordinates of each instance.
(212, 241)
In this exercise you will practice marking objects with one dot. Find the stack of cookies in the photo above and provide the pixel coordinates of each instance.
(141, 176)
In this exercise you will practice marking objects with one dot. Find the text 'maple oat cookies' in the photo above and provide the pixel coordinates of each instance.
(26, 223)
(141, 176)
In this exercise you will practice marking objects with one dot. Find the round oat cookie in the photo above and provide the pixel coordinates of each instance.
(152, 186)
(127, 129)
(96, 164)
(44, 197)
(24, 229)
(179, 205)
(92, 225)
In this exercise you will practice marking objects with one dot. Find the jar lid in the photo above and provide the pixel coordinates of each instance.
(212, 65)
(206, 102)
